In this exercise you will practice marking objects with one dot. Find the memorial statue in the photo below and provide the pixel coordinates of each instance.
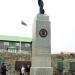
(41, 4)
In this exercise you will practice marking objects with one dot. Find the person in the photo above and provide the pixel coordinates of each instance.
(28, 69)
(3, 68)
(22, 70)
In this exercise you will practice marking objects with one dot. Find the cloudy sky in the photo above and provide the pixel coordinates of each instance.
(62, 17)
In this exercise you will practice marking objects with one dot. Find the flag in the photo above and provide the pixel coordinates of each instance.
(23, 23)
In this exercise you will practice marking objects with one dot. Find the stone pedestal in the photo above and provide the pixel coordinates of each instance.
(41, 71)
(41, 46)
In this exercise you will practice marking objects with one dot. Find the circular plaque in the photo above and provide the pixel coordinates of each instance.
(43, 32)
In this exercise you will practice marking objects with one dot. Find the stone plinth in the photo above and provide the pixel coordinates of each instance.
(41, 71)
(41, 46)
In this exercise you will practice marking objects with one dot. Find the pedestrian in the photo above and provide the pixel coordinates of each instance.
(3, 68)
(28, 69)
(22, 70)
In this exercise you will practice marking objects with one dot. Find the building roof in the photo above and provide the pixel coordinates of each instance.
(15, 38)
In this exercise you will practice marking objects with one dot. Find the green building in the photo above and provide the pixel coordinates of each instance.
(15, 44)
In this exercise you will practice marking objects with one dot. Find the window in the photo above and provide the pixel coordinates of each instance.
(11, 49)
(17, 44)
(6, 43)
(27, 45)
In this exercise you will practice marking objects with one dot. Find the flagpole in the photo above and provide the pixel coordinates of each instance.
(20, 44)
(23, 23)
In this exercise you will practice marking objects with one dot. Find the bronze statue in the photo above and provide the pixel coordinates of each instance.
(41, 4)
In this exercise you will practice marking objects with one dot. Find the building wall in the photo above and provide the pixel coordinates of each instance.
(68, 63)
(11, 58)
(25, 46)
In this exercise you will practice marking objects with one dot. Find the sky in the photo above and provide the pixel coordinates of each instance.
(61, 15)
